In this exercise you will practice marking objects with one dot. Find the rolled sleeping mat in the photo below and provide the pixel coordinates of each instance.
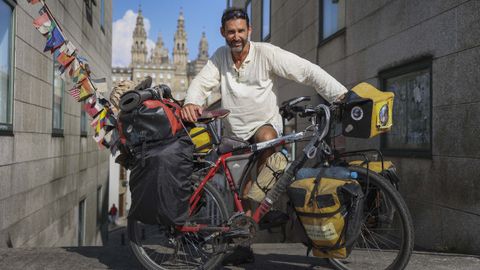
(132, 99)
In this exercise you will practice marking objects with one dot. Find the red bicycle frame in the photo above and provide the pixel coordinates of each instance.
(221, 162)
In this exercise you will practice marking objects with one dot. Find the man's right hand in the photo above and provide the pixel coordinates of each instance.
(191, 112)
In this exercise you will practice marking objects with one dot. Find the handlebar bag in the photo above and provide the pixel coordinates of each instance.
(330, 212)
(368, 112)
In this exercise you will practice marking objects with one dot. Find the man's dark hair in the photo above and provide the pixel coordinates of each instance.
(234, 13)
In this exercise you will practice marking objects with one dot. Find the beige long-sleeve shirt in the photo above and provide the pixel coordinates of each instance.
(249, 92)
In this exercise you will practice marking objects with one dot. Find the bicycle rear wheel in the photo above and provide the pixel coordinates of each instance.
(386, 239)
(159, 247)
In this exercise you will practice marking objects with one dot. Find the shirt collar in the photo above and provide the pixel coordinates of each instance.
(250, 53)
(248, 59)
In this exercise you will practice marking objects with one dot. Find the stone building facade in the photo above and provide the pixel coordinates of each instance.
(176, 72)
(427, 52)
(53, 177)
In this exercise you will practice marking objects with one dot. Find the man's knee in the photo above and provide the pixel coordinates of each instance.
(265, 133)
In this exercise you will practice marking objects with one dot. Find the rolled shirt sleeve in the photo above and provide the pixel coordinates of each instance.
(293, 67)
(202, 85)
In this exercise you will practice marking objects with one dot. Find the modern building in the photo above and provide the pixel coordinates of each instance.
(53, 177)
(428, 54)
(176, 72)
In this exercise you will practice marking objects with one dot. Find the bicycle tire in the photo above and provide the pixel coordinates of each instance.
(147, 252)
(364, 254)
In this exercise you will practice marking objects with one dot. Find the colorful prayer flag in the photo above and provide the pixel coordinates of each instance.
(43, 23)
(86, 89)
(102, 121)
(73, 67)
(55, 40)
(75, 93)
(79, 75)
(92, 106)
(98, 137)
(101, 99)
(65, 60)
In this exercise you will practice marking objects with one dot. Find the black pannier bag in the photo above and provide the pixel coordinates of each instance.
(161, 187)
(159, 153)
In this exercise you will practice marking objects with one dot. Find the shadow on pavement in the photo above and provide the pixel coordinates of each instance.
(119, 257)
(283, 261)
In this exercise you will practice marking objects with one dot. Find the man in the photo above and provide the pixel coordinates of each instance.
(245, 72)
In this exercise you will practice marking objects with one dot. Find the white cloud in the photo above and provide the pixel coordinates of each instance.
(122, 38)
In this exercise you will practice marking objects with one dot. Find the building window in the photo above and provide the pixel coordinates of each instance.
(88, 10)
(248, 9)
(99, 206)
(102, 15)
(411, 134)
(333, 17)
(266, 19)
(83, 122)
(57, 106)
(81, 223)
(6, 67)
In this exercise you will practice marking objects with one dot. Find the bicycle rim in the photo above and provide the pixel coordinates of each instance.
(386, 239)
(159, 247)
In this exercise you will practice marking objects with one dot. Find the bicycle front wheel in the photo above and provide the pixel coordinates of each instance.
(386, 239)
(159, 247)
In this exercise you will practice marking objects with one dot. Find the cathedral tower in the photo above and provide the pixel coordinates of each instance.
(180, 51)
(159, 53)
(202, 54)
(139, 46)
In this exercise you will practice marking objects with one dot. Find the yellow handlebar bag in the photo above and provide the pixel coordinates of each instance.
(368, 112)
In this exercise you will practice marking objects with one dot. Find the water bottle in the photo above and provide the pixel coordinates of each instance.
(337, 172)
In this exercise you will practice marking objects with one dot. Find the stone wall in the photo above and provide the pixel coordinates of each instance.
(43, 177)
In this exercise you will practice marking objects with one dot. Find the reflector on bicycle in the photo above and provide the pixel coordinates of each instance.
(368, 112)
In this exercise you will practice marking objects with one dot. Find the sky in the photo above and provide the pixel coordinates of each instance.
(161, 16)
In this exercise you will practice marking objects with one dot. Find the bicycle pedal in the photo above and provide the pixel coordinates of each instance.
(272, 219)
(244, 233)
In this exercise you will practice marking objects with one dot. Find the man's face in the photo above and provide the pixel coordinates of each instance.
(236, 34)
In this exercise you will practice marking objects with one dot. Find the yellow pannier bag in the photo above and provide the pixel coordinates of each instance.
(375, 166)
(201, 139)
(330, 211)
(368, 112)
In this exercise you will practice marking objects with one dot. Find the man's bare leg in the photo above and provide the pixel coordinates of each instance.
(264, 133)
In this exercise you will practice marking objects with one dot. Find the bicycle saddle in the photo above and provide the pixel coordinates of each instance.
(208, 116)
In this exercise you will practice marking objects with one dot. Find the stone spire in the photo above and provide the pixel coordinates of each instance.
(180, 51)
(159, 53)
(139, 46)
(203, 48)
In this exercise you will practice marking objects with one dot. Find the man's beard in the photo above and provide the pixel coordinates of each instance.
(238, 49)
